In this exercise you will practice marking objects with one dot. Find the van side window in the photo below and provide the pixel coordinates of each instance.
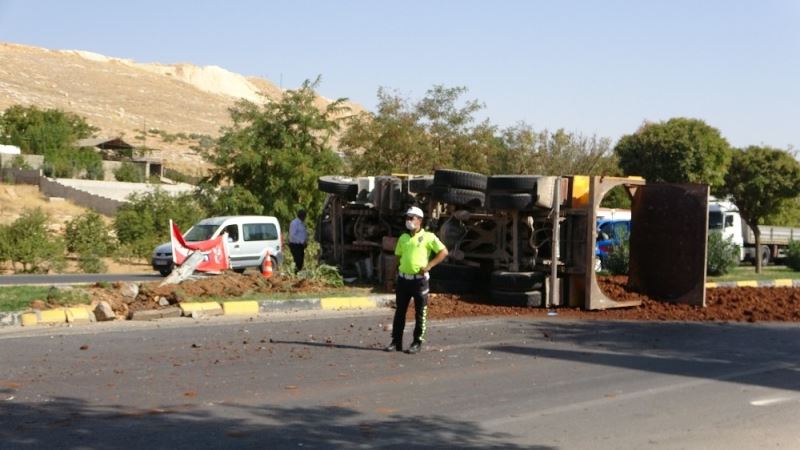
(259, 232)
(233, 232)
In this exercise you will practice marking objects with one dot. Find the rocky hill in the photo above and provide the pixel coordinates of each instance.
(177, 104)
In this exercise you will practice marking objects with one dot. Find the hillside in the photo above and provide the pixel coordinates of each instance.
(123, 97)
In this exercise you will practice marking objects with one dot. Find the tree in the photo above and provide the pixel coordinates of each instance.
(392, 139)
(228, 201)
(39, 131)
(758, 181)
(679, 150)
(438, 131)
(143, 222)
(30, 244)
(277, 151)
(52, 133)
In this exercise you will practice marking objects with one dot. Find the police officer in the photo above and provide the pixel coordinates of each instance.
(413, 251)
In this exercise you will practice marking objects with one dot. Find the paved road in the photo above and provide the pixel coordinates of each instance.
(320, 381)
(83, 278)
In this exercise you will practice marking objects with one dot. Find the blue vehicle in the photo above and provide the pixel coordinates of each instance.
(610, 233)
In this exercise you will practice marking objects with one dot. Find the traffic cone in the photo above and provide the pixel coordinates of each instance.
(266, 266)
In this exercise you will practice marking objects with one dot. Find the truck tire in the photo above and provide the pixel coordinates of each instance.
(531, 299)
(448, 271)
(460, 179)
(458, 197)
(511, 183)
(517, 281)
(518, 202)
(343, 186)
(420, 185)
(766, 256)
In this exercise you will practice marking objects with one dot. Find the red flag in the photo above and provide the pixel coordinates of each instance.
(215, 251)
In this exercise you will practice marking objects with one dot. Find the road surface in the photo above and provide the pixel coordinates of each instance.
(321, 381)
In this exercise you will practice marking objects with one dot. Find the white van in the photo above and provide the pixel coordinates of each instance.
(248, 237)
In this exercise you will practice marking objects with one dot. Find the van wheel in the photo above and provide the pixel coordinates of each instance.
(240, 270)
(164, 272)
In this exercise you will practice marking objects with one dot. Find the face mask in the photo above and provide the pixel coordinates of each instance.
(410, 225)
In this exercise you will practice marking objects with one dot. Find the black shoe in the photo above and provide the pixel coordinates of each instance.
(394, 346)
(415, 348)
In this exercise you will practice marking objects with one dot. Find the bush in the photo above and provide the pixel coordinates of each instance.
(793, 255)
(228, 201)
(31, 245)
(73, 163)
(619, 257)
(129, 172)
(88, 234)
(19, 163)
(91, 263)
(723, 254)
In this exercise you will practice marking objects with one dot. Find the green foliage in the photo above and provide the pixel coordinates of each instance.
(130, 173)
(30, 245)
(619, 257)
(677, 151)
(228, 201)
(19, 163)
(441, 130)
(723, 254)
(66, 297)
(91, 263)
(760, 179)
(617, 198)
(71, 162)
(558, 153)
(787, 214)
(42, 132)
(793, 255)
(329, 275)
(88, 234)
(143, 222)
(278, 151)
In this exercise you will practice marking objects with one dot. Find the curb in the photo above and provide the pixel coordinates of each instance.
(251, 308)
(783, 282)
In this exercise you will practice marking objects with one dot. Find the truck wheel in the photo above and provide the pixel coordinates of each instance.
(517, 281)
(766, 255)
(460, 179)
(511, 183)
(343, 186)
(531, 299)
(458, 197)
(516, 202)
(420, 185)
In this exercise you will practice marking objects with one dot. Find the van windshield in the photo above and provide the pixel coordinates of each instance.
(200, 233)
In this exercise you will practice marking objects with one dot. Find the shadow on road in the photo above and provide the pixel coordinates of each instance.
(326, 345)
(761, 355)
(73, 423)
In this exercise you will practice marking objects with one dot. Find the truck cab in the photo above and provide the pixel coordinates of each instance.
(723, 216)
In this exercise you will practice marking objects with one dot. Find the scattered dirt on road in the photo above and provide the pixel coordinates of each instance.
(742, 304)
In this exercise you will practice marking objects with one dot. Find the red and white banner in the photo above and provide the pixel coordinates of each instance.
(215, 251)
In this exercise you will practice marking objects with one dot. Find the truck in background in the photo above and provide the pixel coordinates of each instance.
(724, 216)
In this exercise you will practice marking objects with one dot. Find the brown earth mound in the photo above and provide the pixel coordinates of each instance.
(723, 304)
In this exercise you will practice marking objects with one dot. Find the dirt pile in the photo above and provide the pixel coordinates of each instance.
(723, 304)
(742, 304)
(126, 298)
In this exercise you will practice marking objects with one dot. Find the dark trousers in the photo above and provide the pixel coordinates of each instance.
(405, 291)
(299, 254)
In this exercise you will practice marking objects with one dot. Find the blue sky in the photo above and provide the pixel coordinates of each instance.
(600, 67)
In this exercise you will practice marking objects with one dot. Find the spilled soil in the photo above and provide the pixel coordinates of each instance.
(743, 304)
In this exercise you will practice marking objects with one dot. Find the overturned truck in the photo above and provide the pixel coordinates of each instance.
(523, 239)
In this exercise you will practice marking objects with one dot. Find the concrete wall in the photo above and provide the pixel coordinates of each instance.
(110, 166)
(102, 205)
(20, 176)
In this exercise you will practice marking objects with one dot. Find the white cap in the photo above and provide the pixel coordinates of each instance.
(414, 211)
